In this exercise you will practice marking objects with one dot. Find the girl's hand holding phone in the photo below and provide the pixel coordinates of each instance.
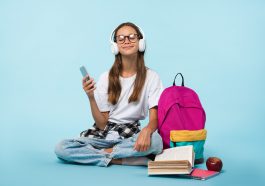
(88, 83)
(89, 86)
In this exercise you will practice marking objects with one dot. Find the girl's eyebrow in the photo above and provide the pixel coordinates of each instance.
(126, 35)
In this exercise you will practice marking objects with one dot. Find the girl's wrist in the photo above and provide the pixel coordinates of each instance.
(91, 97)
(149, 130)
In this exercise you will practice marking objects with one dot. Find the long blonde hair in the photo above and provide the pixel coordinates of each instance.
(114, 89)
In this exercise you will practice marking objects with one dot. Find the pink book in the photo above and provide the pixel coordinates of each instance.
(201, 174)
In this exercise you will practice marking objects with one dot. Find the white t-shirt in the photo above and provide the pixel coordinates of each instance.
(124, 112)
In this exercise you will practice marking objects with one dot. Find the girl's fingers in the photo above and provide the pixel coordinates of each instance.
(136, 146)
(140, 147)
(88, 83)
(147, 147)
(92, 85)
(85, 79)
(144, 147)
(93, 89)
(90, 89)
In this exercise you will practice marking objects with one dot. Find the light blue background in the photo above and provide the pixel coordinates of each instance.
(219, 46)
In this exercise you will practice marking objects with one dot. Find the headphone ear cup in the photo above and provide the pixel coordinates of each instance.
(141, 45)
(114, 48)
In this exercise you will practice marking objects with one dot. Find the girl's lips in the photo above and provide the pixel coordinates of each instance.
(127, 47)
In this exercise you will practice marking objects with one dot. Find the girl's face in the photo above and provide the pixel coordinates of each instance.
(127, 41)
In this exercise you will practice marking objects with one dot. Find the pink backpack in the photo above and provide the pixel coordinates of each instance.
(179, 108)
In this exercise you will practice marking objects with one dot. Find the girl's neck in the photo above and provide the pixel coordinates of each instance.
(129, 65)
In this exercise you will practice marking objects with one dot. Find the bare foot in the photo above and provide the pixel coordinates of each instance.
(108, 150)
(113, 161)
(116, 161)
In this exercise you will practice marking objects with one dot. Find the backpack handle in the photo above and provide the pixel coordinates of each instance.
(182, 84)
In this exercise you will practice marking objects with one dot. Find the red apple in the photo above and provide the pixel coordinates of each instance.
(214, 164)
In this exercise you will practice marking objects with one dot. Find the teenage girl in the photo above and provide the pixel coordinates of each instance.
(125, 94)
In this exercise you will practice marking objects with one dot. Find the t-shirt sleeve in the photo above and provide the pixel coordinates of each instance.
(156, 88)
(101, 93)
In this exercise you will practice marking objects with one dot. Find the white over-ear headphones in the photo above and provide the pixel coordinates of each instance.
(114, 46)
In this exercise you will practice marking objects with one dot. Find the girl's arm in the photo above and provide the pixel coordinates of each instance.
(101, 118)
(143, 141)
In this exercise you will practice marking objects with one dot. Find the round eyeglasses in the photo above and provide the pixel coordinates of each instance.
(120, 39)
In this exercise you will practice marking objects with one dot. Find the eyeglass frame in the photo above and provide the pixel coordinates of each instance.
(128, 36)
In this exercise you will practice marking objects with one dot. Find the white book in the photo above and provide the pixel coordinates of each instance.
(176, 160)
